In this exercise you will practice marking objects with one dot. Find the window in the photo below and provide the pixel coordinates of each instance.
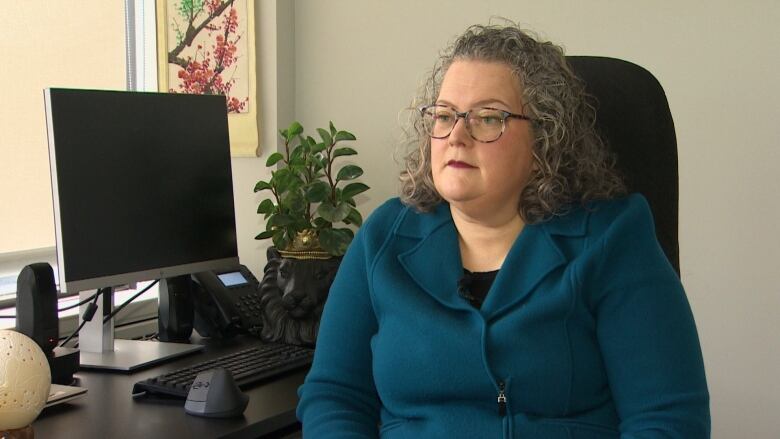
(141, 45)
(84, 44)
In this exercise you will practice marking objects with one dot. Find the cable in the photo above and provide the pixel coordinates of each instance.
(59, 310)
(116, 310)
(75, 305)
(78, 304)
(88, 314)
(153, 336)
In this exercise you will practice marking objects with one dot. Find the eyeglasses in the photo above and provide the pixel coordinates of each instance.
(483, 124)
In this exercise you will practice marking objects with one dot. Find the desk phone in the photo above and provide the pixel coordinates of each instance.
(227, 302)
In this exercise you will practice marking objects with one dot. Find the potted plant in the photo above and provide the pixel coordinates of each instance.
(308, 213)
(305, 192)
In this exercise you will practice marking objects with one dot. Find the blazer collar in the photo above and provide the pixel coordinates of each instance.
(434, 262)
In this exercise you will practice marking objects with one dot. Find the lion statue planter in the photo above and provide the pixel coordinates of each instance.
(293, 293)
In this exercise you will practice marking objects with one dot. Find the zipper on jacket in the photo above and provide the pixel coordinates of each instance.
(501, 399)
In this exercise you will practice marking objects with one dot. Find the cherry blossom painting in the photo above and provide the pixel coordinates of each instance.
(208, 47)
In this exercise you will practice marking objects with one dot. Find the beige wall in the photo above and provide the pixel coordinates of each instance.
(358, 62)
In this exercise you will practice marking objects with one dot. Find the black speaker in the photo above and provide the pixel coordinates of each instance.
(176, 311)
(36, 306)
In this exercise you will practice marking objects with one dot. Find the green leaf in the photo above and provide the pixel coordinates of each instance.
(302, 224)
(332, 129)
(266, 206)
(268, 220)
(306, 145)
(283, 133)
(349, 172)
(319, 147)
(274, 159)
(297, 152)
(321, 223)
(294, 201)
(353, 189)
(354, 217)
(317, 192)
(326, 137)
(281, 180)
(265, 235)
(335, 241)
(293, 130)
(287, 180)
(280, 220)
(295, 182)
(298, 163)
(280, 240)
(343, 151)
(344, 135)
(262, 185)
(315, 167)
(333, 213)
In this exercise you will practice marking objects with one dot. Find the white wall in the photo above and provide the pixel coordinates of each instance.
(274, 27)
(358, 63)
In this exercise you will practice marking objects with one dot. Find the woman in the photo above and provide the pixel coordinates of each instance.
(514, 290)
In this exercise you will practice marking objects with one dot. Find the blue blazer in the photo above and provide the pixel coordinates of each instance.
(585, 333)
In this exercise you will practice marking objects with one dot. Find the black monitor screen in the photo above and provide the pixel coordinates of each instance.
(142, 185)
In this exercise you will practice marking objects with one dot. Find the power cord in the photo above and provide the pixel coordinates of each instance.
(59, 310)
(116, 310)
(88, 314)
(108, 318)
(77, 304)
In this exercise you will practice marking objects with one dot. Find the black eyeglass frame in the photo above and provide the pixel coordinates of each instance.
(464, 115)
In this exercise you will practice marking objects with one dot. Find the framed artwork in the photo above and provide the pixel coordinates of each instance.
(208, 47)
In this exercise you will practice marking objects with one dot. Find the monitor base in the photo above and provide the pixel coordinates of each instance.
(130, 355)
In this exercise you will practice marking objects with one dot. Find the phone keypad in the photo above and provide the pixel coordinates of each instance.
(248, 306)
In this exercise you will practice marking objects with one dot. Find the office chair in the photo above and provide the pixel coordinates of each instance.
(633, 117)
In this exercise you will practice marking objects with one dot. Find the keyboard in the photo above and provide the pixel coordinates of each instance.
(248, 367)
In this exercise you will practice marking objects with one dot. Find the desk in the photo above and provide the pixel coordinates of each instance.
(109, 411)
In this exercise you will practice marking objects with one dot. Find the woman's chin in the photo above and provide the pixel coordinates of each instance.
(458, 192)
(458, 197)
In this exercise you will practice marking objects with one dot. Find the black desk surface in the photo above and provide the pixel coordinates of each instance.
(109, 411)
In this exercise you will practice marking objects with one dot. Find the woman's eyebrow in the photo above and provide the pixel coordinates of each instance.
(481, 103)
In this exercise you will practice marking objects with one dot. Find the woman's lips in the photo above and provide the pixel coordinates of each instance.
(458, 164)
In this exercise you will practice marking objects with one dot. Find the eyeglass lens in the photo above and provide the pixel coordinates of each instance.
(483, 124)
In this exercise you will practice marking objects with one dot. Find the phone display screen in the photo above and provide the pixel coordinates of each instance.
(232, 279)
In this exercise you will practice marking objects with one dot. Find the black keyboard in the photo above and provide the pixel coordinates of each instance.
(248, 367)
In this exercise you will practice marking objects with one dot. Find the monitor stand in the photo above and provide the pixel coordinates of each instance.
(99, 349)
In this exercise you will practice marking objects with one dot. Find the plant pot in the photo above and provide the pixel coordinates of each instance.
(293, 292)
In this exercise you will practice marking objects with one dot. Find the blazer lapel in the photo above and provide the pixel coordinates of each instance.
(531, 258)
(434, 262)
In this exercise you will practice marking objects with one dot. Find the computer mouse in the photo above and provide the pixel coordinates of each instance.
(215, 394)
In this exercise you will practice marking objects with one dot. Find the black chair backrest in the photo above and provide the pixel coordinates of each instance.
(633, 118)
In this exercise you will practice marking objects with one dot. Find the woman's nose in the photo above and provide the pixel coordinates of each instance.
(459, 135)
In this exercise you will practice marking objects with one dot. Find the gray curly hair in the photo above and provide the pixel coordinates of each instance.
(573, 165)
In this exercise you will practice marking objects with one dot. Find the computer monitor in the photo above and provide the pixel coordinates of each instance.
(142, 189)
